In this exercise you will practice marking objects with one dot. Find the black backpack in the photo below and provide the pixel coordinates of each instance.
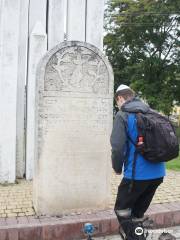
(157, 140)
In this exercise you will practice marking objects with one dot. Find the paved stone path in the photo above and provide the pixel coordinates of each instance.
(16, 199)
(168, 191)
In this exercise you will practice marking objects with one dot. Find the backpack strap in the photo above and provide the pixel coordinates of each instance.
(123, 116)
(140, 124)
(141, 132)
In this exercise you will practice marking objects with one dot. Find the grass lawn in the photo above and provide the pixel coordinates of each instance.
(174, 164)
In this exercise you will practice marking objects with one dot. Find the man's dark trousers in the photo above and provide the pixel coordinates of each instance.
(132, 205)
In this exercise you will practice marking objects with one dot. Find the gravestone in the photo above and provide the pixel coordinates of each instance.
(74, 100)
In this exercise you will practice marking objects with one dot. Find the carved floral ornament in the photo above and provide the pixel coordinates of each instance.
(76, 69)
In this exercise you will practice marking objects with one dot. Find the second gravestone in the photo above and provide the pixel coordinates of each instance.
(74, 122)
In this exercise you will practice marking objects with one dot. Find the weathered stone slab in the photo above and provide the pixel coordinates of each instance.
(56, 20)
(9, 30)
(74, 121)
(37, 48)
(76, 20)
(37, 13)
(94, 22)
(22, 74)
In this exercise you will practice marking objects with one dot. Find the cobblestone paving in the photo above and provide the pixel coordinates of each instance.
(16, 199)
(168, 191)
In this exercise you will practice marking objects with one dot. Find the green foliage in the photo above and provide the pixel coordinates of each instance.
(178, 132)
(143, 47)
(174, 164)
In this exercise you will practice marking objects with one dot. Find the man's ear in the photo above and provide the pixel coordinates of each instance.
(118, 98)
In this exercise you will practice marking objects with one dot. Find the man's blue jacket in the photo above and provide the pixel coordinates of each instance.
(122, 148)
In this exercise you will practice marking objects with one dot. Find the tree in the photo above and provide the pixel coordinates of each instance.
(142, 43)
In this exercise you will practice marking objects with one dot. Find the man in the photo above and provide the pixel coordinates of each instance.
(133, 198)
